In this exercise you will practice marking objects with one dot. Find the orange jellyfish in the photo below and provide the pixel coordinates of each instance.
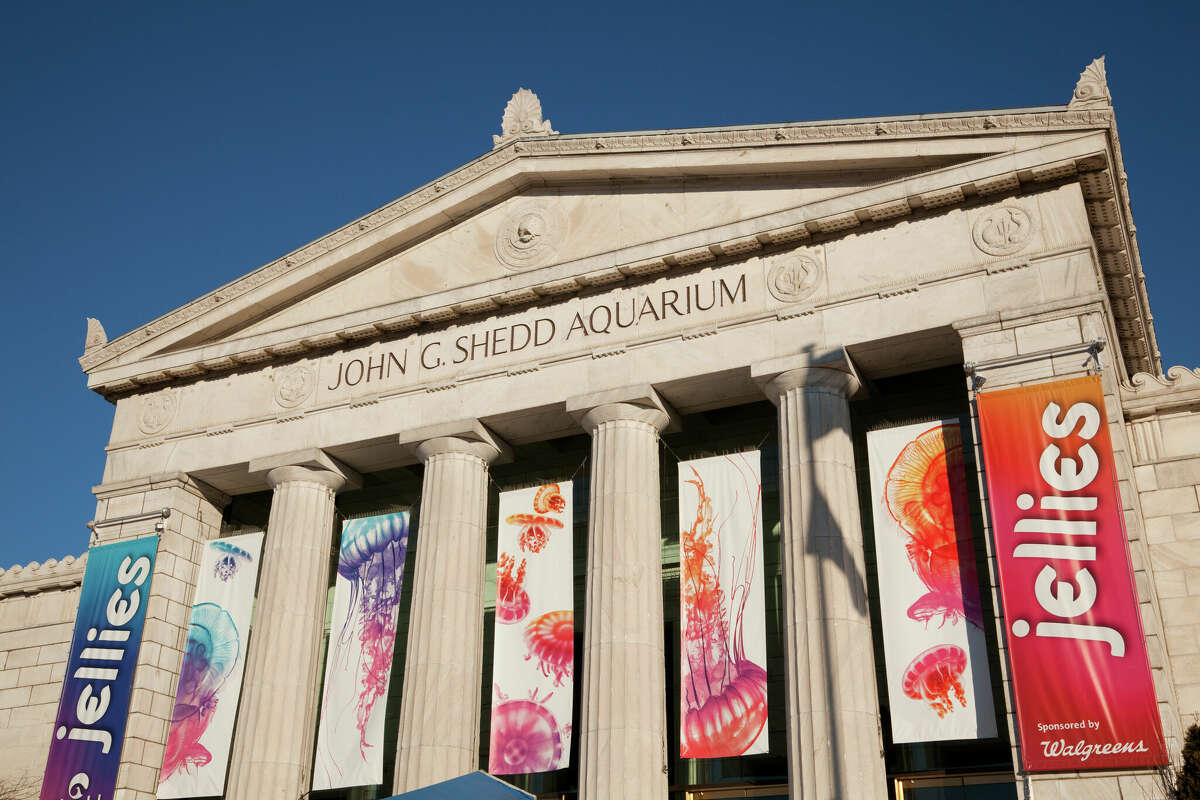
(724, 693)
(534, 530)
(934, 675)
(926, 492)
(549, 499)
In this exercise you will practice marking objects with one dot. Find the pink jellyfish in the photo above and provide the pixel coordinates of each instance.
(372, 559)
(934, 675)
(525, 736)
(551, 640)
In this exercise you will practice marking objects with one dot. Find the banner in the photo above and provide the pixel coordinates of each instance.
(89, 729)
(533, 663)
(358, 664)
(723, 648)
(210, 678)
(939, 686)
(1079, 669)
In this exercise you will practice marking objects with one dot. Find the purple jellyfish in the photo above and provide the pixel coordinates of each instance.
(231, 557)
(372, 559)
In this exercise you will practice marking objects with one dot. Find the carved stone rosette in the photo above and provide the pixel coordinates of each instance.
(1003, 230)
(157, 411)
(294, 384)
(530, 235)
(793, 277)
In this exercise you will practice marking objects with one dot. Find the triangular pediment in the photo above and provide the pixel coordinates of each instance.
(544, 217)
(547, 227)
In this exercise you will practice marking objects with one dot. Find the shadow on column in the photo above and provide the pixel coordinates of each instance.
(822, 519)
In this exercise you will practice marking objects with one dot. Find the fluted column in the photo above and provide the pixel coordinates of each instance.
(833, 735)
(623, 722)
(438, 735)
(273, 747)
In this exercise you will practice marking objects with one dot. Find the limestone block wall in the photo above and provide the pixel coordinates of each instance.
(37, 617)
(1164, 431)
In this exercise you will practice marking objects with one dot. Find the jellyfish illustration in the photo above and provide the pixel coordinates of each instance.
(724, 692)
(372, 560)
(535, 530)
(512, 601)
(231, 557)
(525, 736)
(549, 499)
(551, 640)
(926, 493)
(212, 651)
(934, 675)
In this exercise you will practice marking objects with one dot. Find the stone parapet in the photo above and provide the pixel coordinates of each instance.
(36, 577)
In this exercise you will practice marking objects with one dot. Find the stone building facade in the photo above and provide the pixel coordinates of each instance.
(618, 298)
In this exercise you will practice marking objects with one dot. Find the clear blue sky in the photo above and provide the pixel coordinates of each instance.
(150, 152)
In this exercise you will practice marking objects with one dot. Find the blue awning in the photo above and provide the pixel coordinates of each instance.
(472, 786)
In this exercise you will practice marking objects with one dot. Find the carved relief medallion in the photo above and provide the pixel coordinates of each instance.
(793, 277)
(157, 411)
(530, 236)
(294, 383)
(1004, 230)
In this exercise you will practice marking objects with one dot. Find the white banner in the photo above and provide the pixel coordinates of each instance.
(210, 678)
(939, 687)
(723, 649)
(358, 664)
(533, 662)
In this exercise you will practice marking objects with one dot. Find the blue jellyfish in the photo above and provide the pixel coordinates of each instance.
(372, 559)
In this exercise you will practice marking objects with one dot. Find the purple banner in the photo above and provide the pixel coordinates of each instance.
(89, 729)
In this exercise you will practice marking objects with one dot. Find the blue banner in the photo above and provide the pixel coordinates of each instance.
(89, 731)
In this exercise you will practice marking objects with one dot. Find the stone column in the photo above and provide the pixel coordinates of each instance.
(273, 746)
(623, 720)
(833, 735)
(438, 735)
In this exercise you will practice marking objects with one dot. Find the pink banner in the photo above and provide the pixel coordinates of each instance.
(1080, 674)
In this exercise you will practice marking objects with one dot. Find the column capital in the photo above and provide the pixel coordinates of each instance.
(640, 403)
(832, 371)
(469, 437)
(312, 465)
